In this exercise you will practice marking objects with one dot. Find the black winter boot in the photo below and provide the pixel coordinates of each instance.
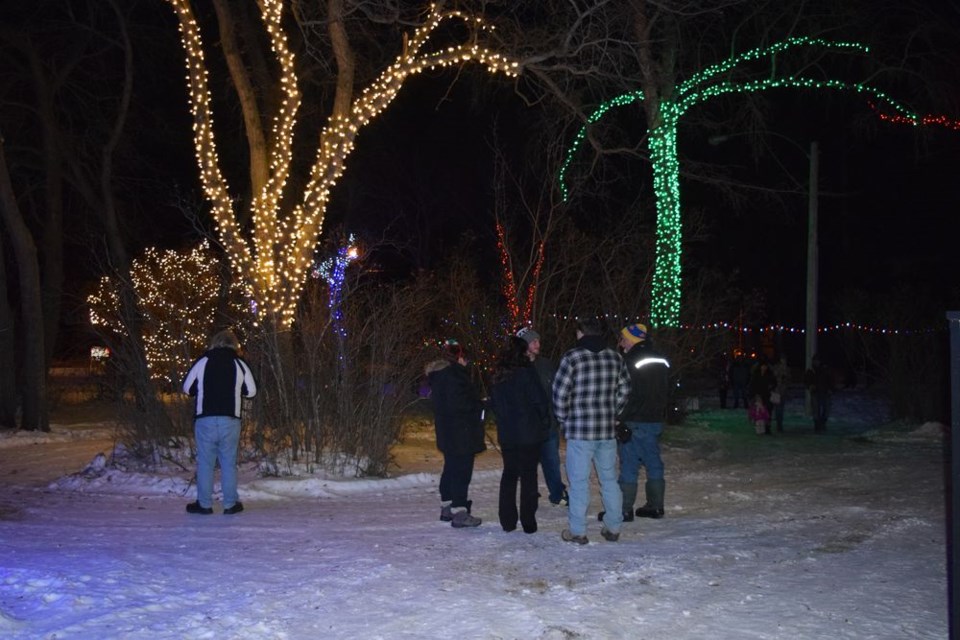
(654, 506)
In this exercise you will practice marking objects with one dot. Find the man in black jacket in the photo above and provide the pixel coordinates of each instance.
(219, 380)
(644, 415)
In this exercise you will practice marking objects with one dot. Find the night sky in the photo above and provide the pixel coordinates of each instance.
(886, 208)
(888, 204)
(422, 177)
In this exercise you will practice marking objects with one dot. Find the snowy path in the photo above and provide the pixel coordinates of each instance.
(792, 537)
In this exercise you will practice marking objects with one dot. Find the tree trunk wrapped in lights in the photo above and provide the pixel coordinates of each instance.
(664, 113)
(272, 259)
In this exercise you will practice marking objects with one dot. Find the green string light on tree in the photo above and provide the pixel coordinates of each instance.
(662, 145)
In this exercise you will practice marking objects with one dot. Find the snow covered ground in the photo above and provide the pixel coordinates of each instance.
(793, 536)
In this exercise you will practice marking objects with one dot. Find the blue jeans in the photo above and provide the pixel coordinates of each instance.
(602, 454)
(550, 461)
(218, 438)
(642, 450)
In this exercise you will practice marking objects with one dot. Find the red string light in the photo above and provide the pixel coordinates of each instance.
(517, 316)
(927, 120)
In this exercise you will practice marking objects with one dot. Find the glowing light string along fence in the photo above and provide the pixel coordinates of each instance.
(273, 263)
(662, 145)
(517, 315)
(617, 321)
(486, 360)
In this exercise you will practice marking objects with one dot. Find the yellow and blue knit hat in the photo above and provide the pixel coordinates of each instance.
(634, 333)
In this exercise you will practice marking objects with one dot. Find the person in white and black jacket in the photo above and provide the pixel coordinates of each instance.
(644, 413)
(219, 380)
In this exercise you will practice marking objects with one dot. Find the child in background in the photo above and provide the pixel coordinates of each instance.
(759, 415)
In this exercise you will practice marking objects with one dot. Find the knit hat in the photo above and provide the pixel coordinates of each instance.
(528, 334)
(634, 333)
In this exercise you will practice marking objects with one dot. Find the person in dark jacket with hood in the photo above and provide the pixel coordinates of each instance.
(523, 422)
(550, 449)
(644, 414)
(219, 380)
(458, 419)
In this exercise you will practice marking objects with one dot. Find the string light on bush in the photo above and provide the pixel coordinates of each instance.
(275, 261)
(178, 295)
(662, 144)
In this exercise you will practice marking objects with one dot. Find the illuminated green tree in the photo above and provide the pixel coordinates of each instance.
(716, 80)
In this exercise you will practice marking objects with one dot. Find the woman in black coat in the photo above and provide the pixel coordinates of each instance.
(458, 419)
(523, 422)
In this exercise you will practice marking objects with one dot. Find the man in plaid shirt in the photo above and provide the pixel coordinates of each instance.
(589, 390)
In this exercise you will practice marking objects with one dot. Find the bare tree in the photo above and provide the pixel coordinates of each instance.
(34, 405)
(8, 350)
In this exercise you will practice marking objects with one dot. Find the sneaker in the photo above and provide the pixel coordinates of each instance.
(563, 501)
(463, 519)
(608, 535)
(647, 511)
(194, 507)
(568, 536)
(446, 515)
(236, 508)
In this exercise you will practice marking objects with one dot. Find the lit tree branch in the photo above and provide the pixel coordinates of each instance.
(275, 267)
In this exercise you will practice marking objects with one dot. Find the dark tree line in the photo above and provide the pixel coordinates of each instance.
(95, 139)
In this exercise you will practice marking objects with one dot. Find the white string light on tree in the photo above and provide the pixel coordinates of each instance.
(274, 262)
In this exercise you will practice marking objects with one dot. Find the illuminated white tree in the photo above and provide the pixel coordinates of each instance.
(273, 257)
(178, 296)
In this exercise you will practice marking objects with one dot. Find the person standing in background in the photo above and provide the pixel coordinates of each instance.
(779, 396)
(762, 384)
(550, 450)
(818, 381)
(740, 379)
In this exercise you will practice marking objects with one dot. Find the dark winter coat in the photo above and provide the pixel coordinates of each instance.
(649, 384)
(457, 409)
(546, 371)
(219, 379)
(818, 379)
(739, 373)
(762, 382)
(520, 406)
